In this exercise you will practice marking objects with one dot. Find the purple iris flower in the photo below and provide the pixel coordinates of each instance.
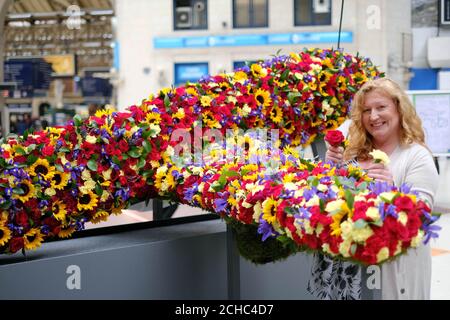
(8, 191)
(429, 216)
(221, 205)
(123, 193)
(45, 229)
(287, 194)
(430, 232)
(176, 174)
(309, 193)
(266, 230)
(189, 193)
(43, 204)
(379, 187)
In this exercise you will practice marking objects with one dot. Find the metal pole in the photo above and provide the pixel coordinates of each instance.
(340, 25)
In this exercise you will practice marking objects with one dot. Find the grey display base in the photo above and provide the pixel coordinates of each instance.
(187, 261)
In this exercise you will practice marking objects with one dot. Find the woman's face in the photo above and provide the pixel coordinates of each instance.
(380, 117)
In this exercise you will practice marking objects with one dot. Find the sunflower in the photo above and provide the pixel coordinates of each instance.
(28, 191)
(99, 216)
(87, 201)
(66, 232)
(59, 210)
(289, 127)
(42, 168)
(270, 207)
(263, 97)
(258, 71)
(33, 239)
(60, 180)
(240, 76)
(205, 101)
(5, 234)
(153, 118)
(337, 219)
(210, 120)
(55, 133)
(276, 114)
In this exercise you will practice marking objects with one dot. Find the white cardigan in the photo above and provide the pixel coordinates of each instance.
(409, 276)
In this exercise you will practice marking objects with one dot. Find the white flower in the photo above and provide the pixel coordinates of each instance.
(91, 139)
(402, 218)
(380, 156)
(335, 205)
(373, 213)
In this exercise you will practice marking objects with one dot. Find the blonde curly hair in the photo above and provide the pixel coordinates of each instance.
(360, 141)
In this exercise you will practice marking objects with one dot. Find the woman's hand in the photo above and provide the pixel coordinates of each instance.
(378, 171)
(335, 154)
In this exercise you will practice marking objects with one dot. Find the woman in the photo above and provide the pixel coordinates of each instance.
(383, 118)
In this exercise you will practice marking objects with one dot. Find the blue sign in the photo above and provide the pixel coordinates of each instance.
(190, 72)
(252, 40)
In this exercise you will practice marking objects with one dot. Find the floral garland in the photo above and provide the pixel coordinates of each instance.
(53, 181)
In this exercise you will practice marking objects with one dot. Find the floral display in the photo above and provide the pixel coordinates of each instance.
(172, 146)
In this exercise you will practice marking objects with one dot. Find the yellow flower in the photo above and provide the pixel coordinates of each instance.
(87, 201)
(276, 114)
(270, 207)
(383, 254)
(66, 232)
(205, 101)
(258, 71)
(41, 168)
(5, 234)
(60, 180)
(240, 76)
(100, 216)
(32, 239)
(179, 114)
(263, 97)
(59, 211)
(380, 156)
(210, 120)
(153, 118)
(29, 191)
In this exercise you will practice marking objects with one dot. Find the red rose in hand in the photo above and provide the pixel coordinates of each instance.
(335, 138)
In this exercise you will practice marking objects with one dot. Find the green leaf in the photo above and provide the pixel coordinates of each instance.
(77, 120)
(166, 101)
(218, 185)
(284, 75)
(147, 146)
(352, 89)
(292, 96)
(378, 223)
(353, 249)
(31, 159)
(92, 165)
(18, 190)
(98, 190)
(360, 223)
(5, 205)
(322, 205)
(59, 167)
(134, 153)
(349, 198)
(64, 149)
(141, 163)
(20, 151)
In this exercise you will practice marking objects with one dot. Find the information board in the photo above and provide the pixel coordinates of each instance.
(434, 111)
